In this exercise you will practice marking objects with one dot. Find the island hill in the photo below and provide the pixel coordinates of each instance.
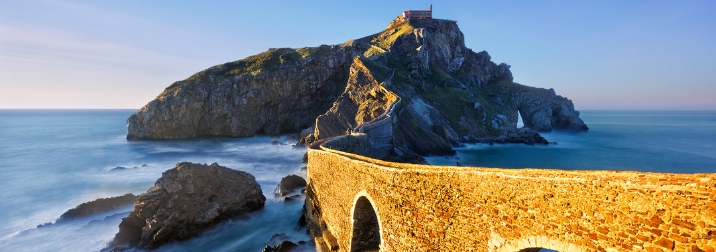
(442, 92)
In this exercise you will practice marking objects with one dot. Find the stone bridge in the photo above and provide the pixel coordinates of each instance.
(363, 204)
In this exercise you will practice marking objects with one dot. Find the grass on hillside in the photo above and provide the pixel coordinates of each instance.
(252, 65)
(379, 71)
(516, 87)
(386, 38)
(373, 51)
(449, 100)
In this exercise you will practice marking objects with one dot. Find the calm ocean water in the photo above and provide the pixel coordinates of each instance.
(653, 141)
(53, 160)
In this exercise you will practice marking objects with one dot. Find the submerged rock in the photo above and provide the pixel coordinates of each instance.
(119, 168)
(100, 205)
(186, 200)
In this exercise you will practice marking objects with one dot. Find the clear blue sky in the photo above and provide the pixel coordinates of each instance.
(121, 54)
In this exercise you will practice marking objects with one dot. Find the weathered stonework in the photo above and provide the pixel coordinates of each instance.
(439, 208)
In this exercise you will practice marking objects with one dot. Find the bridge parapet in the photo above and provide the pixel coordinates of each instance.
(439, 208)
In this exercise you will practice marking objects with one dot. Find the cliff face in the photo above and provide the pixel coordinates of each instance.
(363, 100)
(450, 94)
(282, 90)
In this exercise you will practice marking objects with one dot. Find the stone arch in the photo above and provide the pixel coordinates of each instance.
(536, 250)
(367, 231)
(535, 244)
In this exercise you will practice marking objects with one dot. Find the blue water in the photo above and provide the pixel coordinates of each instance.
(653, 141)
(53, 160)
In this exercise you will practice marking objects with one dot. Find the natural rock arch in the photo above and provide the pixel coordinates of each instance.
(367, 233)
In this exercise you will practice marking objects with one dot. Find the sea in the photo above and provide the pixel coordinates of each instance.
(54, 160)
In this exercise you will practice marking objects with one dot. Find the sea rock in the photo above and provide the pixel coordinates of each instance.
(100, 205)
(284, 246)
(544, 110)
(522, 135)
(186, 200)
(289, 184)
(442, 92)
(305, 132)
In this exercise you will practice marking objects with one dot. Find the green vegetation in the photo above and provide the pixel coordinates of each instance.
(372, 51)
(322, 50)
(385, 38)
(401, 71)
(379, 71)
(438, 74)
(347, 43)
(254, 64)
(251, 65)
(516, 87)
(451, 101)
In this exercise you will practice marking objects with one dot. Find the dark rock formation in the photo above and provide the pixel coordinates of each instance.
(100, 205)
(447, 93)
(279, 91)
(289, 184)
(184, 201)
(406, 156)
(523, 135)
(284, 246)
(544, 110)
(413, 131)
(361, 101)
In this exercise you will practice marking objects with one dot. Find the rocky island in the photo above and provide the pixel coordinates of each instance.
(186, 200)
(443, 93)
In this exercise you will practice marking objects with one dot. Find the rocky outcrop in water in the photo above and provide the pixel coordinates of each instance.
(100, 205)
(284, 246)
(186, 200)
(448, 93)
(289, 184)
(544, 110)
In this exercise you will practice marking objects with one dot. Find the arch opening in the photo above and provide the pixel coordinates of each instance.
(366, 228)
(536, 250)
(520, 123)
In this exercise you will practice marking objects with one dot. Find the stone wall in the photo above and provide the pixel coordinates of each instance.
(380, 132)
(439, 208)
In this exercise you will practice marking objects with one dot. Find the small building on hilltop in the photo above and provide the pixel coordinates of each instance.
(418, 13)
